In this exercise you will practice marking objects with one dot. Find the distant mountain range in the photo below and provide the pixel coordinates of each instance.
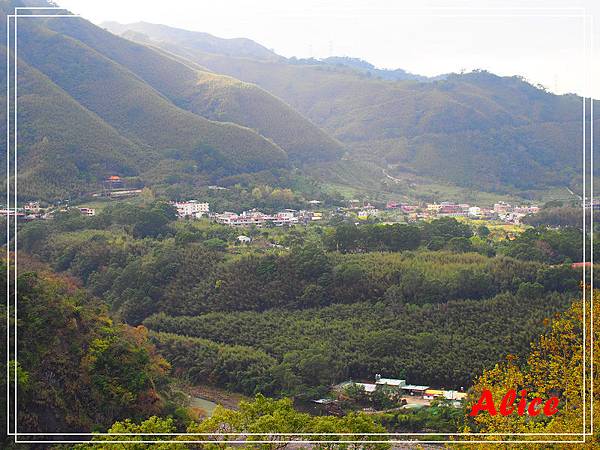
(164, 105)
(475, 130)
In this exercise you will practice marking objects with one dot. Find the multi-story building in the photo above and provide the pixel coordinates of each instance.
(258, 219)
(191, 208)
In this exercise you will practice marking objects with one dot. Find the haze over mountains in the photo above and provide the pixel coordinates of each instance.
(159, 103)
(476, 129)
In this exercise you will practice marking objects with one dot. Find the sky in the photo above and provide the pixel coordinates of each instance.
(549, 42)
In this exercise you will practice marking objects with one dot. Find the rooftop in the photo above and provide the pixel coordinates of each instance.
(414, 387)
(391, 381)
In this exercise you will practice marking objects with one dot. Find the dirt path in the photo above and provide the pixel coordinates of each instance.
(222, 397)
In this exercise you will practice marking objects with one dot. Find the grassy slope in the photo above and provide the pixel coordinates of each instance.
(136, 109)
(63, 147)
(213, 96)
(197, 40)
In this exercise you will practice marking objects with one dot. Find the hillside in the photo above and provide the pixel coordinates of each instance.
(137, 111)
(66, 147)
(475, 130)
(197, 40)
(212, 96)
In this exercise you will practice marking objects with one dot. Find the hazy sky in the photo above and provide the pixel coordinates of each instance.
(547, 41)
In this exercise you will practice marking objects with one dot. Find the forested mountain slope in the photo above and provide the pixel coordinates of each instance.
(476, 129)
(123, 108)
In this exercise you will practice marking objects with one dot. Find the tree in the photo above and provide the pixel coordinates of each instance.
(459, 245)
(445, 228)
(554, 367)
(483, 231)
(268, 416)
(151, 425)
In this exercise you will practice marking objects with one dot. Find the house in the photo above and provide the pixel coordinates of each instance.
(285, 218)
(124, 193)
(87, 211)
(390, 382)
(113, 182)
(450, 210)
(33, 207)
(474, 211)
(433, 207)
(579, 265)
(248, 218)
(12, 213)
(501, 208)
(409, 208)
(368, 387)
(430, 394)
(244, 239)
(414, 389)
(191, 208)
(454, 395)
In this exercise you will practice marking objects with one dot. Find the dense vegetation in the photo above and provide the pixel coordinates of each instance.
(553, 367)
(343, 302)
(263, 415)
(77, 369)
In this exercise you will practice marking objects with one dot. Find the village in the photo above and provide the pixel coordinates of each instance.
(500, 211)
(195, 209)
(114, 189)
(383, 394)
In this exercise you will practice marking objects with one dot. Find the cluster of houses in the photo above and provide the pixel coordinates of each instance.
(288, 217)
(412, 394)
(500, 211)
(33, 211)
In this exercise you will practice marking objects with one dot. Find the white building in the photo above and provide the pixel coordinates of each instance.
(87, 211)
(256, 218)
(391, 382)
(474, 211)
(191, 208)
(285, 218)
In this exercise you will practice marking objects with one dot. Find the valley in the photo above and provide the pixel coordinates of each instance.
(209, 237)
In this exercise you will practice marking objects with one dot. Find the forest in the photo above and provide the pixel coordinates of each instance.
(144, 304)
(331, 303)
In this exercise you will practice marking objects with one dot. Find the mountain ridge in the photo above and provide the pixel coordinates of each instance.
(485, 130)
(129, 121)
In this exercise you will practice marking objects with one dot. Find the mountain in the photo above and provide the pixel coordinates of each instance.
(386, 74)
(476, 130)
(242, 47)
(101, 104)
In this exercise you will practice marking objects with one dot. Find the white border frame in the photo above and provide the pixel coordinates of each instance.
(588, 56)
